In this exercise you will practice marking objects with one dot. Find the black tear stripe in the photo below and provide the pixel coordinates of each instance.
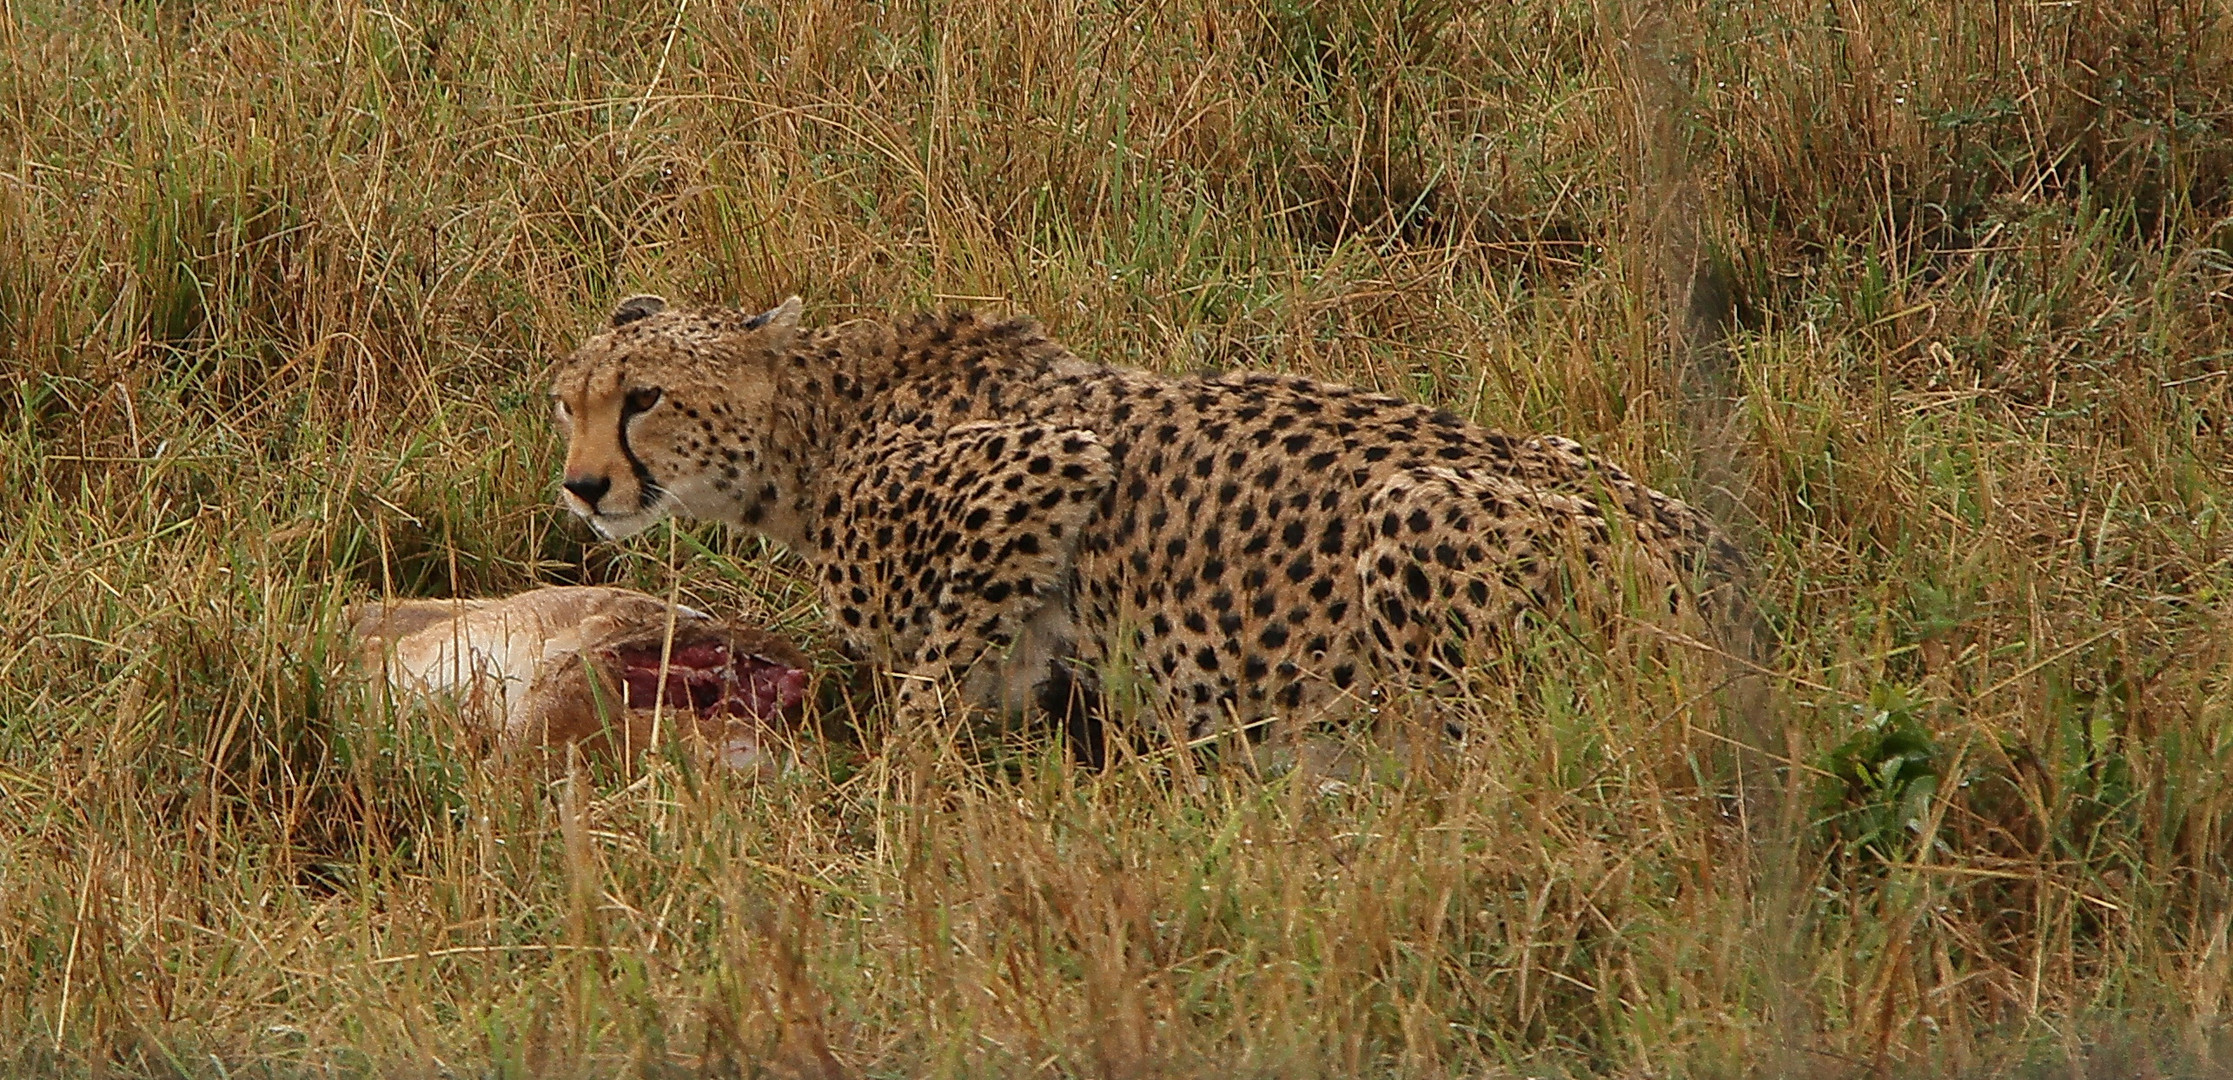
(647, 489)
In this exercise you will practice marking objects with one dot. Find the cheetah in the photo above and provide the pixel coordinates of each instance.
(984, 509)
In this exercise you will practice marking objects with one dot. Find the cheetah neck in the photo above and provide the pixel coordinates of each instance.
(871, 378)
(819, 403)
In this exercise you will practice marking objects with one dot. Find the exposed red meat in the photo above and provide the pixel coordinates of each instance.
(706, 679)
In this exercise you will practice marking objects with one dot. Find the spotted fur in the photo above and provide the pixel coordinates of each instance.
(983, 508)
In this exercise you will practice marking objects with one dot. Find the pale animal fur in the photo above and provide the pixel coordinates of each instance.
(529, 670)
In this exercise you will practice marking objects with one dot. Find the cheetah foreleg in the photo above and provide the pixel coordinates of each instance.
(955, 547)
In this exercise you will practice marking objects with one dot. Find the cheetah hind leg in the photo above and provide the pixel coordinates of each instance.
(1453, 562)
(1462, 565)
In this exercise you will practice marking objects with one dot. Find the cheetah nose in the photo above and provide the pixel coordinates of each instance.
(588, 489)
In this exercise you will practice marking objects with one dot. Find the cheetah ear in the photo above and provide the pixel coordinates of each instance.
(782, 320)
(638, 307)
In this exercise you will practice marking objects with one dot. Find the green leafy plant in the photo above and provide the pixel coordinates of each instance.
(1876, 799)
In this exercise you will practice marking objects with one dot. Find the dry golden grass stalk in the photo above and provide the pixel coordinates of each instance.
(277, 283)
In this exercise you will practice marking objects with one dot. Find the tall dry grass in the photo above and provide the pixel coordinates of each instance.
(1931, 300)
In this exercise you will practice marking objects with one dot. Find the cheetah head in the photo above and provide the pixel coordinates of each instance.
(669, 412)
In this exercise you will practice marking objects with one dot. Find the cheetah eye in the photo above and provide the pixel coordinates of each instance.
(641, 400)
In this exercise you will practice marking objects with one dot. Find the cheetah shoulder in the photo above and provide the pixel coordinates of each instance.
(964, 533)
